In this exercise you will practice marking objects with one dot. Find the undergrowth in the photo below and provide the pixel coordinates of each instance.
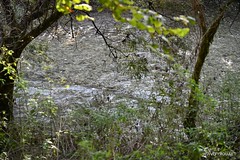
(119, 131)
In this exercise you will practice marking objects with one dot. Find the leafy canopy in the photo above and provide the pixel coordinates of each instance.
(68, 6)
(125, 11)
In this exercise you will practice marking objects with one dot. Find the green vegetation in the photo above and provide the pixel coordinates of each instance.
(179, 119)
(123, 132)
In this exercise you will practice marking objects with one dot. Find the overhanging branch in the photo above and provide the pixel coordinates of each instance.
(41, 8)
(36, 32)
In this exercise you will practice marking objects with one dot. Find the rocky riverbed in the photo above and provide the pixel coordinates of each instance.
(78, 70)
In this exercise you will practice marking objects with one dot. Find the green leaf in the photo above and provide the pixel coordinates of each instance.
(150, 29)
(191, 20)
(137, 15)
(11, 77)
(129, 2)
(83, 7)
(87, 1)
(133, 22)
(157, 24)
(180, 32)
(154, 45)
(83, 17)
(67, 86)
(10, 52)
(80, 17)
(64, 6)
(141, 26)
(76, 1)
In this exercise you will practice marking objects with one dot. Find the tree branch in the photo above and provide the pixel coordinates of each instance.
(40, 9)
(207, 40)
(113, 50)
(21, 44)
(198, 10)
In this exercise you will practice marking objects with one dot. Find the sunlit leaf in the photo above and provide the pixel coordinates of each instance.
(80, 17)
(64, 6)
(137, 15)
(157, 24)
(180, 32)
(10, 52)
(133, 22)
(67, 86)
(150, 29)
(83, 7)
(83, 17)
(87, 1)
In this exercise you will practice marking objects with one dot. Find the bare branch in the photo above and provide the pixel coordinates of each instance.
(41, 8)
(113, 50)
(199, 12)
(21, 44)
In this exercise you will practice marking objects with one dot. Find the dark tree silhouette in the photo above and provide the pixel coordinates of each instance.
(21, 22)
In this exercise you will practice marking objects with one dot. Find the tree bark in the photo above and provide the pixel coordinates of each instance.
(206, 40)
(19, 37)
(6, 99)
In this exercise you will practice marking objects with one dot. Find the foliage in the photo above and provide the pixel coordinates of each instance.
(149, 129)
(228, 106)
(9, 68)
(113, 131)
(126, 12)
(66, 6)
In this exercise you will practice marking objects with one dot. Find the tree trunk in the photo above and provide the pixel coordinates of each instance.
(15, 34)
(6, 99)
(207, 38)
(6, 86)
(17, 46)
